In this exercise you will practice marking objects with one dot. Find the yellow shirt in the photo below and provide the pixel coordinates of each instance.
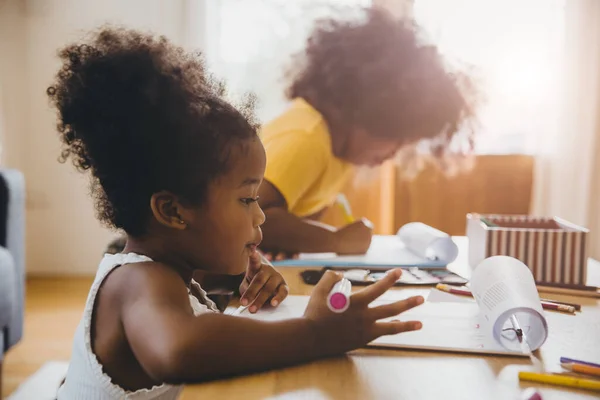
(300, 161)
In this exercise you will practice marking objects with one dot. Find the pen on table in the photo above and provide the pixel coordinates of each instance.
(573, 361)
(547, 305)
(338, 299)
(560, 380)
(581, 368)
(344, 205)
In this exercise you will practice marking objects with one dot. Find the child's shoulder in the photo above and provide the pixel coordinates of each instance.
(140, 279)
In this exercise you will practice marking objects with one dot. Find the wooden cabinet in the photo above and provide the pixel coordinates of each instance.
(496, 184)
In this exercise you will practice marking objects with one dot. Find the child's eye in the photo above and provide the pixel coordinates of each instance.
(249, 200)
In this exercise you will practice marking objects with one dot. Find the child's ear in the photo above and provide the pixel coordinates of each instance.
(167, 210)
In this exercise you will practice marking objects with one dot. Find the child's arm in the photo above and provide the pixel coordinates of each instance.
(285, 232)
(174, 346)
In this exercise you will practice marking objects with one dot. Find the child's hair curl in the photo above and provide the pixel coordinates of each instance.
(143, 116)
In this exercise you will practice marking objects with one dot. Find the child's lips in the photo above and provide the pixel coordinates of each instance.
(252, 247)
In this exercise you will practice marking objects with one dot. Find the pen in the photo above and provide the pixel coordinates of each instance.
(547, 305)
(344, 205)
(338, 300)
(560, 380)
(581, 368)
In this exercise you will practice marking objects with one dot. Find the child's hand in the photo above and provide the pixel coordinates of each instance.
(359, 324)
(354, 238)
(262, 283)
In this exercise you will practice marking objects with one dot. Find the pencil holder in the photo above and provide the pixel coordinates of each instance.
(555, 250)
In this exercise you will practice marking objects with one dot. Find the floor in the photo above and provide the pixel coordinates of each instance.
(52, 311)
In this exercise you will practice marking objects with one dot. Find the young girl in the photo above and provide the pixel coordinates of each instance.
(364, 87)
(178, 169)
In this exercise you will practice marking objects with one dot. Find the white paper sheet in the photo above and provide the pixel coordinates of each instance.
(416, 244)
(504, 287)
(384, 250)
(448, 327)
(428, 242)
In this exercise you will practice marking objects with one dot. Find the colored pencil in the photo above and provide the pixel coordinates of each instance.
(546, 305)
(577, 307)
(573, 361)
(581, 368)
(560, 380)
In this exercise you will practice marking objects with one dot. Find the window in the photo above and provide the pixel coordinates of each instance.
(253, 42)
(515, 47)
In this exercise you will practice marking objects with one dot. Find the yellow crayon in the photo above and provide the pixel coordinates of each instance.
(560, 380)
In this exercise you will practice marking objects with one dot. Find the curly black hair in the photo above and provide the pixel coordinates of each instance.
(372, 70)
(143, 116)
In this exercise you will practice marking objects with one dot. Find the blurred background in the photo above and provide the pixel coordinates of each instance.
(539, 134)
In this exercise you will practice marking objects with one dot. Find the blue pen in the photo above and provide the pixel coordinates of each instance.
(570, 360)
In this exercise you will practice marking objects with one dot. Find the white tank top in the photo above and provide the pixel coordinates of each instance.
(85, 378)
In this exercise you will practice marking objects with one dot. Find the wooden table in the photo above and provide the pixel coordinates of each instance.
(397, 374)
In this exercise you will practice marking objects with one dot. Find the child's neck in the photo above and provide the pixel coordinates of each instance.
(159, 252)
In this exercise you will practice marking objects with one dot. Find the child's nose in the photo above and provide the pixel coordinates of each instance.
(260, 217)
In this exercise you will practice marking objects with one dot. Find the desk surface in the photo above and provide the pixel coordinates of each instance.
(398, 374)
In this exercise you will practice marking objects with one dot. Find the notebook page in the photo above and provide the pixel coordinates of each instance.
(460, 324)
(455, 327)
(504, 287)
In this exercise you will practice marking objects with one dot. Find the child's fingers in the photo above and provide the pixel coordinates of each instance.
(325, 284)
(395, 327)
(282, 293)
(395, 308)
(243, 288)
(370, 293)
(244, 285)
(254, 288)
(265, 293)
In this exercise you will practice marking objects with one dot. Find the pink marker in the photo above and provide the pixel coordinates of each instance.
(338, 300)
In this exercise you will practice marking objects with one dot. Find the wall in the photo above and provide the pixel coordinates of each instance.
(63, 236)
(13, 110)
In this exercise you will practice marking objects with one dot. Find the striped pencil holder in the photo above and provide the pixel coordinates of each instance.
(554, 249)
